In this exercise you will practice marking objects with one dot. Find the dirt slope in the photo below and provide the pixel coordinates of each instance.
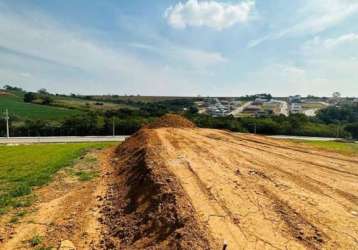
(171, 121)
(67, 210)
(189, 188)
(149, 208)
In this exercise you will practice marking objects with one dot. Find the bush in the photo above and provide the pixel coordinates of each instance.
(30, 97)
(21, 190)
(352, 129)
(342, 114)
(47, 100)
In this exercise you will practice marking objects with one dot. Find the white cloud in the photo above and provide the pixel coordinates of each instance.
(62, 59)
(322, 14)
(281, 76)
(330, 43)
(203, 58)
(212, 14)
(195, 58)
(313, 17)
(319, 77)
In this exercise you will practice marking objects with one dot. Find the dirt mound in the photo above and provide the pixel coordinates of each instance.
(3, 93)
(171, 120)
(151, 211)
(196, 188)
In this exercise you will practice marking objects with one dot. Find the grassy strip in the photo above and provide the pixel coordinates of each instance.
(332, 146)
(26, 166)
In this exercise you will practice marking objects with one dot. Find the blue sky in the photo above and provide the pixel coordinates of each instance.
(195, 47)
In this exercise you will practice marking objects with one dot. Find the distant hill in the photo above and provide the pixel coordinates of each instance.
(139, 98)
(63, 106)
(13, 101)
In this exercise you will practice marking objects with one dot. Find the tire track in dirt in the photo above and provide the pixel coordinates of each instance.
(298, 226)
(283, 154)
(275, 144)
(251, 239)
(312, 184)
(299, 207)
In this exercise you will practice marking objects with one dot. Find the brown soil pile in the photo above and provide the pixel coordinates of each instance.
(171, 120)
(180, 188)
(151, 210)
(2, 93)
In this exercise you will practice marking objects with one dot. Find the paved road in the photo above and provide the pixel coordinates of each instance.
(60, 139)
(283, 107)
(239, 110)
(68, 139)
(306, 138)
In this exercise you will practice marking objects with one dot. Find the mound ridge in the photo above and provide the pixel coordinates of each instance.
(171, 120)
(152, 210)
(185, 188)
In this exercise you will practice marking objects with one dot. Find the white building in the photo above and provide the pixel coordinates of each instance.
(296, 108)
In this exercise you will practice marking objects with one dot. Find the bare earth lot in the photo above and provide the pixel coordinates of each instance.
(258, 193)
(250, 191)
(189, 188)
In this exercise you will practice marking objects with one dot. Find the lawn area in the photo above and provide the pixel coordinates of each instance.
(26, 166)
(340, 147)
(16, 106)
(81, 104)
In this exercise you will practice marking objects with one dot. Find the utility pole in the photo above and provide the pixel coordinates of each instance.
(113, 127)
(7, 123)
(338, 131)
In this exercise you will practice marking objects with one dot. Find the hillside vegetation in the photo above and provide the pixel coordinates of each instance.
(46, 114)
(13, 101)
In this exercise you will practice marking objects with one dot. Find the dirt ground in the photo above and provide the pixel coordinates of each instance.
(259, 193)
(67, 212)
(247, 191)
(190, 188)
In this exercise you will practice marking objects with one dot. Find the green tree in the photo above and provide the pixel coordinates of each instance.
(30, 97)
(47, 100)
(8, 87)
(43, 91)
(352, 129)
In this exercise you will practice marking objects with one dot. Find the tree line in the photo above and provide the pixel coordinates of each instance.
(333, 121)
(328, 123)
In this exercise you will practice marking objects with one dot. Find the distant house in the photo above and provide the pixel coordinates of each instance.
(296, 108)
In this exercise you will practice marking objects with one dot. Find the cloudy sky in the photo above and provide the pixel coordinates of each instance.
(180, 47)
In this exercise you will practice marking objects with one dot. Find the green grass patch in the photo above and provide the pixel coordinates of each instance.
(333, 146)
(86, 175)
(36, 240)
(27, 166)
(16, 106)
(90, 159)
